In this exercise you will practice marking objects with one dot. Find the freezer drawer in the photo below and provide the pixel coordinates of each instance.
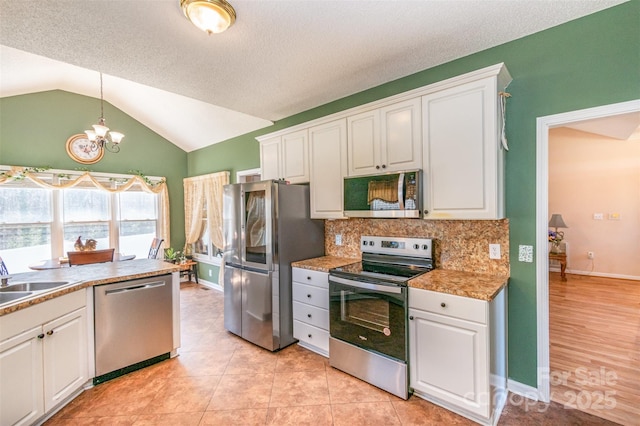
(133, 322)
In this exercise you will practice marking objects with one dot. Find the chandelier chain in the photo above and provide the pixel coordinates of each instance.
(101, 99)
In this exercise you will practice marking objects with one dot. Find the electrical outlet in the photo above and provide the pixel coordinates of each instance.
(525, 254)
(598, 216)
(591, 254)
(494, 251)
(338, 239)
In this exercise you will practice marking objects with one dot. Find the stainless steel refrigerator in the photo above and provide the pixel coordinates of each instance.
(267, 226)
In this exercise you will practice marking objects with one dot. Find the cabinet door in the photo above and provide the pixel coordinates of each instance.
(449, 360)
(270, 159)
(65, 357)
(21, 398)
(401, 136)
(328, 158)
(295, 157)
(363, 134)
(461, 152)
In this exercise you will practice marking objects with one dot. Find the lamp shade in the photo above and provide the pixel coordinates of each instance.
(557, 222)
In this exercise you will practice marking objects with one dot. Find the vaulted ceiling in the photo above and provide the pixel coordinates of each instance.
(280, 58)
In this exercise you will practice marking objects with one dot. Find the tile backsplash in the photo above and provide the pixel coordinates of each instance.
(461, 245)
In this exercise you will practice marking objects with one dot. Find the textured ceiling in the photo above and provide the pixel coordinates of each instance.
(280, 58)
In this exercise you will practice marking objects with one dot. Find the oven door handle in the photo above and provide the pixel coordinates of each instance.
(367, 286)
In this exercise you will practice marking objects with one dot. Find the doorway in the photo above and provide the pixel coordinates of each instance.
(544, 124)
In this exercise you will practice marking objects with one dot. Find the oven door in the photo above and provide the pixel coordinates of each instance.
(369, 315)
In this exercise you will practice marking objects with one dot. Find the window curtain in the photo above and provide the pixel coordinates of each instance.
(204, 191)
(124, 184)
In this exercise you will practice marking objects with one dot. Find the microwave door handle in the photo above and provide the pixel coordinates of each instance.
(368, 286)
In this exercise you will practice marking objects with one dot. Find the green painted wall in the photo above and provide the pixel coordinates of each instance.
(588, 62)
(34, 129)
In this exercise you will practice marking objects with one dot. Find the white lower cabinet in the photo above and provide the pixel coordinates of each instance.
(311, 309)
(43, 357)
(457, 354)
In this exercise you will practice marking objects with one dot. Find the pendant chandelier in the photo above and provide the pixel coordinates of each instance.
(211, 16)
(100, 137)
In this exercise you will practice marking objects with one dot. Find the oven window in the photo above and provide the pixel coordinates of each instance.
(369, 313)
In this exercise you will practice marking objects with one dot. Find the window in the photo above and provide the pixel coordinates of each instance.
(138, 222)
(203, 215)
(43, 214)
(25, 225)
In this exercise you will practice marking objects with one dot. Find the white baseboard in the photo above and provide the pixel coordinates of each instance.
(600, 274)
(523, 390)
(213, 286)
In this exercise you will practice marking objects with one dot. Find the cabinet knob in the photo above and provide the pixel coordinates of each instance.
(309, 296)
(49, 333)
(426, 212)
(308, 278)
(411, 317)
(378, 167)
(444, 305)
(309, 336)
(384, 166)
(308, 315)
(41, 336)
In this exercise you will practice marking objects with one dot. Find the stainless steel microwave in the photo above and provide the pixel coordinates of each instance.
(390, 195)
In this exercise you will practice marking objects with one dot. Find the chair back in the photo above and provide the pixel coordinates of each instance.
(91, 256)
(3, 268)
(155, 246)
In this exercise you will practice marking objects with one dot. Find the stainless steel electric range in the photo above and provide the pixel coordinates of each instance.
(368, 310)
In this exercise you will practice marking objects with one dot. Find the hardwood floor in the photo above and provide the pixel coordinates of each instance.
(220, 379)
(594, 334)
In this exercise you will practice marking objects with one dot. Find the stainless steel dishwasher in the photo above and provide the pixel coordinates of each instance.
(133, 322)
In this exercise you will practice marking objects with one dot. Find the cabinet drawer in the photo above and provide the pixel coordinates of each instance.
(311, 335)
(311, 295)
(448, 304)
(309, 277)
(311, 315)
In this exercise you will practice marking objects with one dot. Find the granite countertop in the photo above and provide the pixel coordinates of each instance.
(84, 276)
(324, 263)
(466, 284)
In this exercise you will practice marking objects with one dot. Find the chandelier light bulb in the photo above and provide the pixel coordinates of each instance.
(116, 137)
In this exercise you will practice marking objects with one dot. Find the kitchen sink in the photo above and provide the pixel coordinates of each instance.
(34, 286)
(14, 295)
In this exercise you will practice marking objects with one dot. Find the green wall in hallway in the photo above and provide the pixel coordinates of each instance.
(34, 129)
(588, 62)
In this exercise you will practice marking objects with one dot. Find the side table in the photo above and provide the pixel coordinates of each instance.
(191, 268)
(562, 258)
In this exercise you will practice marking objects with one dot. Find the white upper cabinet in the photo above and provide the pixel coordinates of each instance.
(463, 157)
(328, 166)
(286, 157)
(386, 139)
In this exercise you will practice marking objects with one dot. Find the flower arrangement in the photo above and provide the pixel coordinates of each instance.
(555, 237)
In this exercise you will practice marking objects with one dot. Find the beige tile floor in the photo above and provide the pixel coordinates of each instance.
(219, 379)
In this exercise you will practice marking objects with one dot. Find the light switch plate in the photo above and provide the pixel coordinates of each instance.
(525, 254)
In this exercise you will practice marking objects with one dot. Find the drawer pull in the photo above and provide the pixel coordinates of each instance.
(411, 317)
(41, 336)
(309, 336)
(308, 315)
(444, 305)
(49, 333)
(308, 278)
(309, 296)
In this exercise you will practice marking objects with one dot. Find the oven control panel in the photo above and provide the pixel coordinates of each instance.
(401, 246)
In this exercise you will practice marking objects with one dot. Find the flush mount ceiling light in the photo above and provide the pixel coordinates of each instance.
(211, 16)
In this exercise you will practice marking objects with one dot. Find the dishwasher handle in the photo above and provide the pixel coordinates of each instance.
(146, 286)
